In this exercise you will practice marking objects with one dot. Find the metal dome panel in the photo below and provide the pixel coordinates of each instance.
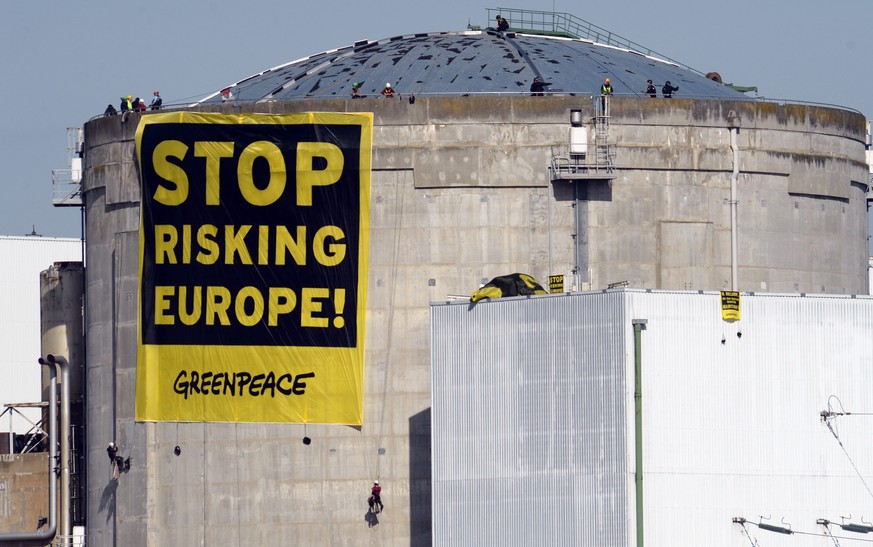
(467, 63)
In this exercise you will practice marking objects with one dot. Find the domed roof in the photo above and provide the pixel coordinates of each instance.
(468, 63)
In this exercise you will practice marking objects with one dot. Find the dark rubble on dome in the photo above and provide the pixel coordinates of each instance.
(469, 63)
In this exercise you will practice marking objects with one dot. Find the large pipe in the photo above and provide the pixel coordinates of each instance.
(61, 328)
(735, 131)
(47, 535)
(62, 364)
(639, 325)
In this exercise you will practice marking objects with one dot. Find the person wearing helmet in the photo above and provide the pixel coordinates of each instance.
(501, 23)
(605, 91)
(356, 90)
(156, 101)
(388, 92)
(118, 463)
(375, 499)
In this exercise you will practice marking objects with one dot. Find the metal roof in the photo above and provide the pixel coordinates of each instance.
(467, 63)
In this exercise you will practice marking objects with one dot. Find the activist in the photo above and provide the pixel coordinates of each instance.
(375, 499)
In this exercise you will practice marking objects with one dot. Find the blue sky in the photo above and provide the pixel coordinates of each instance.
(63, 61)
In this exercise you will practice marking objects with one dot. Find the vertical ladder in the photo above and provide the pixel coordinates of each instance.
(602, 150)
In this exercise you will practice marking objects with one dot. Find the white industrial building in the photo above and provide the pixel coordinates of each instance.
(538, 421)
(24, 257)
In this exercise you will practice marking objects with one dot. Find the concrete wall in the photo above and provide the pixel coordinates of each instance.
(801, 193)
(460, 193)
(24, 492)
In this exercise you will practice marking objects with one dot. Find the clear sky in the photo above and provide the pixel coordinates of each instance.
(63, 61)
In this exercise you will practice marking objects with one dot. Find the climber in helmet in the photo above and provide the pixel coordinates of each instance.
(375, 499)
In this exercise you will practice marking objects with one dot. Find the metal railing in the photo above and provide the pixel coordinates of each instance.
(66, 191)
(35, 435)
(552, 23)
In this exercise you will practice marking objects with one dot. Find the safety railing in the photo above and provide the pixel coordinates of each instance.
(34, 436)
(565, 93)
(66, 189)
(552, 23)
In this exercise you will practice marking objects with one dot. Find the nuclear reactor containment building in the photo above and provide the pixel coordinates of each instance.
(472, 177)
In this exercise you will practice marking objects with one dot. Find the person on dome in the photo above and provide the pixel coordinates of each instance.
(388, 92)
(502, 24)
(156, 101)
(605, 93)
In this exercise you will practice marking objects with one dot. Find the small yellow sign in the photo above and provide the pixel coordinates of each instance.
(556, 283)
(730, 305)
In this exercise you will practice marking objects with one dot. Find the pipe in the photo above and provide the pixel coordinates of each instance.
(639, 325)
(62, 364)
(575, 234)
(735, 131)
(47, 535)
(549, 205)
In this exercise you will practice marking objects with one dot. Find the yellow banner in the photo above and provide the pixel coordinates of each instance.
(730, 305)
(254, 246)
(556, 283)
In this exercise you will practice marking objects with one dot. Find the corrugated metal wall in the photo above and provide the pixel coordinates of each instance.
(534, 398)
(23, 259)
(732, 415)
(529, 423)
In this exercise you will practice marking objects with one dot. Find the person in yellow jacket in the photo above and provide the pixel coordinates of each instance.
(605, 91)
(126, 107)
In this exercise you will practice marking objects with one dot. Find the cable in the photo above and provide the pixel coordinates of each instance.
(833, 536)
(830, 535)
(855, 467)
(742, 522)
(828, 416)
